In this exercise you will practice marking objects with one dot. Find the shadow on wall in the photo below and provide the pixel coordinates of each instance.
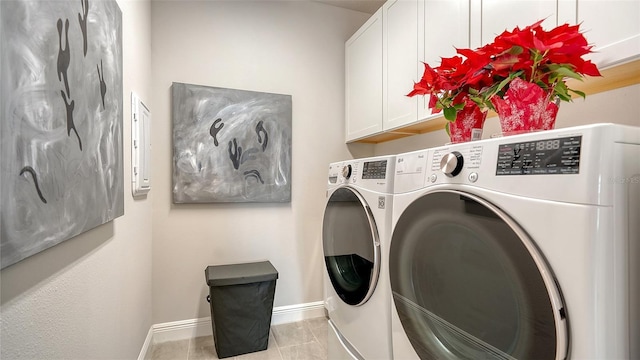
(19, 278)
(360, 150)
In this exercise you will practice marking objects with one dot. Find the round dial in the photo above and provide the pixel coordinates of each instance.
(451, 164)
(346, 171)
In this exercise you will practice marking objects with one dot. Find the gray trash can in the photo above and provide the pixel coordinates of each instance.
(241, 301)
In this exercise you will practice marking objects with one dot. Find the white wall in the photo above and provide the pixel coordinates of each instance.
(90, 297)
(621, 106)
(284, 47)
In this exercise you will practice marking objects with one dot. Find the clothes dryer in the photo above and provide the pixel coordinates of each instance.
(520, 247)
(355, 235)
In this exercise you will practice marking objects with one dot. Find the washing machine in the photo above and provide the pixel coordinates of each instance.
(355, 234)
(519, 247)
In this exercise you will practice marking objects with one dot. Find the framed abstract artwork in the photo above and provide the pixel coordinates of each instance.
(230, 145)
(61, 129)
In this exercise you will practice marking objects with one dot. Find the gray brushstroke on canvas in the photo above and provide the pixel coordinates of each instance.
(204, 171)
(81, 182)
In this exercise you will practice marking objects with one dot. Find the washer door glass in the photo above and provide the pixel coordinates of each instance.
(351, 246)
(468, 283)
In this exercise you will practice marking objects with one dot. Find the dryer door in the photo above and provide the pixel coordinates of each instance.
(468, 283)
(351, 246)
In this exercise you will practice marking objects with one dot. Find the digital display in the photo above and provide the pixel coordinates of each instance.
(552, 156)
(548, 145)
(374, 169)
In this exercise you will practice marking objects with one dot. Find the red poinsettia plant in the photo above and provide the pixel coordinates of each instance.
(518, 63)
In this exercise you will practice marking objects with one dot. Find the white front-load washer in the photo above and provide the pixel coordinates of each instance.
(355, 235)
(520, 247)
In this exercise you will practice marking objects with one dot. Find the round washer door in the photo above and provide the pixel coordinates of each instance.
(468, 283)
(351, 246)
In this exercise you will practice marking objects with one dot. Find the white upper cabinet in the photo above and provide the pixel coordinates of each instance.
(400, 62)
(490, 18)
(363, 80)
(384, 58)
(440, 41)
(613, 27)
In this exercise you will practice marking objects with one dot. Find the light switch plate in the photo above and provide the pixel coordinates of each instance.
(140, 147)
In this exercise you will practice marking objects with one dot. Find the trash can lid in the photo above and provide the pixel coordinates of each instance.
(237, 274)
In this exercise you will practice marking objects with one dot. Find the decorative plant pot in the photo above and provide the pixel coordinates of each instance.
(525, 108)
(468, 124)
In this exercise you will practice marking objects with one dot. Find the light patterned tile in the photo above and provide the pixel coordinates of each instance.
(297, 333)
(308, 351)
(304, 340)
(171, 350)
(320, 323)
(272, 352)
(202, 348)
(319, 328)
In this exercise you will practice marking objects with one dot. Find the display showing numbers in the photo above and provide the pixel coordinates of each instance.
(548, 156)
(374, 169)
(548, 145)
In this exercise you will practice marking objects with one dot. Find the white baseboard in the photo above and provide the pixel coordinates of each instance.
(186, 329)
(183, 329)
(299, 312)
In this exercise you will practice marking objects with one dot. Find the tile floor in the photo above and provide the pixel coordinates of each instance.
(304, 340)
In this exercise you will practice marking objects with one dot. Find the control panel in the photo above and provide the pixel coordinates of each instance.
(452, 162)
(334, 171)
(540, 157)
(375, 173)
(374, 169)
(573, 165)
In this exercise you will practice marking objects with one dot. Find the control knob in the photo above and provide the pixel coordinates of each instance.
(346, 171)
(451, 164)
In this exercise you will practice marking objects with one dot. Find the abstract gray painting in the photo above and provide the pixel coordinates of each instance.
(61, 125)
(230, 145)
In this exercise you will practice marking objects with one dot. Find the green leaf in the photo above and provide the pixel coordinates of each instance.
(478, 101)
(450, 113)
(579, 93)
(496, 88)
(564, 71)
(564, 96)
(560, 86)
(562, 91)
(516, 50)
(447, 129)
(504, 83)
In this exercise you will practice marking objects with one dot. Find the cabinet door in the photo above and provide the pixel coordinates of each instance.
(363, 80)
(434, 13)
(400, 62)
(490, 18)
(613, 27)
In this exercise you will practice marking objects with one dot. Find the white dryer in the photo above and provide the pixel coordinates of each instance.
(355, 235)
(521, 247)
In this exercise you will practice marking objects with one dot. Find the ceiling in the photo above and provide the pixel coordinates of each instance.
(365, 6)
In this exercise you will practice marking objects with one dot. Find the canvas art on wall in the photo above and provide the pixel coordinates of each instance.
(61, 126)
(230, 145)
